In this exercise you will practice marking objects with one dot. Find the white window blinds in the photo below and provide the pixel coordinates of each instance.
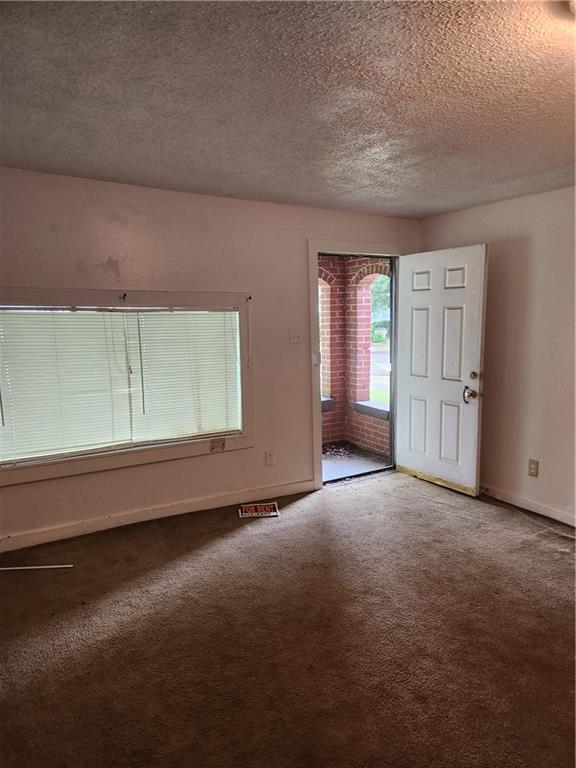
(79, 381)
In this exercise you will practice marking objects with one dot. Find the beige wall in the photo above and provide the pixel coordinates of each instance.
(529, 361)
(58, 231)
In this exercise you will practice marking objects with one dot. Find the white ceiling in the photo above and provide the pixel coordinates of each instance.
(403, 108)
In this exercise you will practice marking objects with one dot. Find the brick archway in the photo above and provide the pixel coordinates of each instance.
(359, 328)
(382, 267)
(326, 276)
(325, 282)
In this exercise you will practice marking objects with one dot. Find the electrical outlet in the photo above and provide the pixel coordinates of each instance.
(269, 458)
(533, 467)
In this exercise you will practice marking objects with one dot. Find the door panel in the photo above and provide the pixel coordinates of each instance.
(420, 341)
(452, 343)
(441, 298)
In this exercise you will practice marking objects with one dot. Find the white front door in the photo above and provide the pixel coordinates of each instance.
(441, 298)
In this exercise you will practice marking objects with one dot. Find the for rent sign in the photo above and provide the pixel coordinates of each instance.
(259, 510)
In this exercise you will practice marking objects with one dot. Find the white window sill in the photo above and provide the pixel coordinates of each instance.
(35, 470)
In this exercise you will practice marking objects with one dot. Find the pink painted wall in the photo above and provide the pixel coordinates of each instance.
(65, 232)
(529, 364)
(58, 231)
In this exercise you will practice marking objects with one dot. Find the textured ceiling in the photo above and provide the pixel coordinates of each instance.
(403, 108)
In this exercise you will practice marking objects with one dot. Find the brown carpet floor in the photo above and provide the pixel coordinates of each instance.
(383, 623)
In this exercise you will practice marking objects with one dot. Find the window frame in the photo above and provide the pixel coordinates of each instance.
(44, 467)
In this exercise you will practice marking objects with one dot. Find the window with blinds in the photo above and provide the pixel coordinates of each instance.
(79, 381)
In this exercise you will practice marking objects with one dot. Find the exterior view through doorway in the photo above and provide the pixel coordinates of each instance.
(355, 303)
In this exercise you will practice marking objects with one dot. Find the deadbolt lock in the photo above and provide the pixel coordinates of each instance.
(473, 374)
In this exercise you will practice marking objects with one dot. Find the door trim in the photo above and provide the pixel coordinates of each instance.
(337, 248)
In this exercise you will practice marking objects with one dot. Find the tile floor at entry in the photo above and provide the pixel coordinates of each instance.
(345, 460)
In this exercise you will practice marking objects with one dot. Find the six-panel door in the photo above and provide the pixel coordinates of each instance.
(440, 339)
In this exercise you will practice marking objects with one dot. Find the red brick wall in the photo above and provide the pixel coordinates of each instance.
(367, 432)
(325, 324)
(331, 270)
(346, 341)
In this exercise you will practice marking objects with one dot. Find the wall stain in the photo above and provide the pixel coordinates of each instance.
(110, 266)
(116, 218)
(81, 268)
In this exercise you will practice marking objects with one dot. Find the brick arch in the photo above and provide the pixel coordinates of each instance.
(359, 332)
(328, 277)
(382, 267)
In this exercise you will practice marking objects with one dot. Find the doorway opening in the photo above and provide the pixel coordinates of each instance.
(355, 299)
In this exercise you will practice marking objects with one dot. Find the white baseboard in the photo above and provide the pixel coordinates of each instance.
(31, 538)
(531, 506)
(55, 533)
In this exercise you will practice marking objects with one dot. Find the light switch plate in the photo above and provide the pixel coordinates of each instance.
(295, 336)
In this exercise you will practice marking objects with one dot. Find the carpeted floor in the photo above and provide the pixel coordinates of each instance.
(383, 623)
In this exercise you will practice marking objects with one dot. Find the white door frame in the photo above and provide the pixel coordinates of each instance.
(338, 248)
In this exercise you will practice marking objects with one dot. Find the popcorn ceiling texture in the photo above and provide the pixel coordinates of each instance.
(407, 109)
